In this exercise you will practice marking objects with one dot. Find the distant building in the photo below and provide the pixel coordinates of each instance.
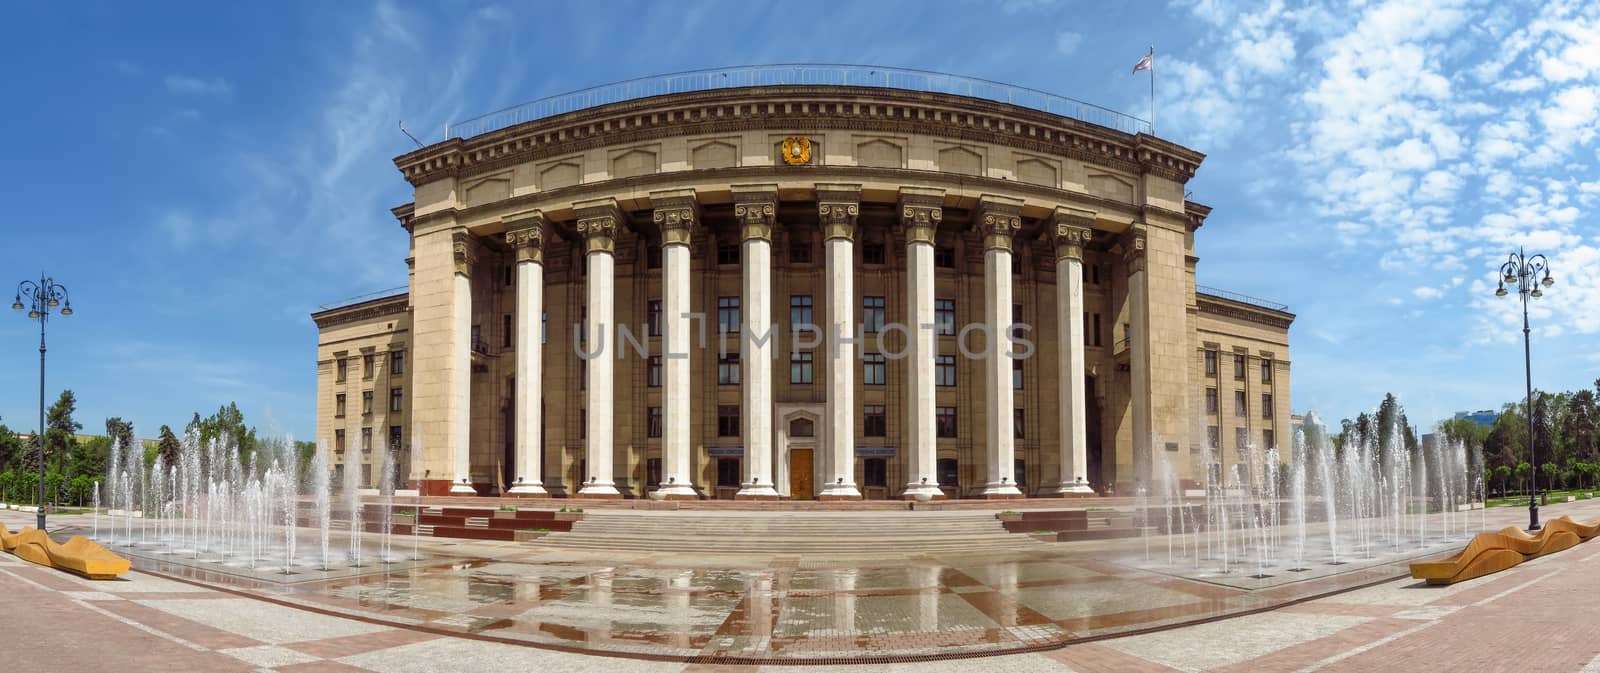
(1483, 418)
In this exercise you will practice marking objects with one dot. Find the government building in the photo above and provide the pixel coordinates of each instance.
(779, 283)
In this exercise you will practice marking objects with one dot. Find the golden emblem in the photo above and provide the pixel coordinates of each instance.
(797, 150)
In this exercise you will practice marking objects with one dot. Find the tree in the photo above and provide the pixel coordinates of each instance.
(167, 447)
(55, 484)
(1523, 470)
(228, 426)
(81, 490)
(89, 458)
(1550, 472)
(61, 433)
(10, 448)
(1503, 473)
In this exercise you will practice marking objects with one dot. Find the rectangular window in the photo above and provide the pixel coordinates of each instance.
(366, 403)
(1016, 319)
(394, 437)
(728, 472)
(508, 335)
(944, 421)
(1097, 337)
(800, 368)
(1238, 403)
(652, 317)
(369, 365)
(1019, 472)
(1213, 437)
(478, 344)
(948, 471)
(800, 310)
(728, 315)
(874, 369)
(1266, 370)
(1016, 374)
(338, 440)
(874, 422)
(799, 250)
(1211, 400)
(728, 420)
(338, 405)
(1267, 440)
(396, 399)
(1019, 420)
(728, 370)
(652, 372)
(1238, 366)
(872, 314)
(944, 317)
(1211, 363)
(1266, 405)
(728, 253)
(944, 257)
(1241, 438)
(366, 439)
(1016, 263)
(652, 260)
(1094, 274)
(652, 472)
(875, 472)
(872, 253)
(944, 370)
(652, 421)
(583, 423)
(583, 374)
(397, 363)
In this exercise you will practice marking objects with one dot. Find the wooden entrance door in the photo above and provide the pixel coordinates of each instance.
(802, 485)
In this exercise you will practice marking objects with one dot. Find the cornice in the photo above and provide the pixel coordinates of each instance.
(809, 108)
(367, 310)
(1225, 307)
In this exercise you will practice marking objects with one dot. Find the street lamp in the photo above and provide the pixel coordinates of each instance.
(42, 296)
(1524, 273)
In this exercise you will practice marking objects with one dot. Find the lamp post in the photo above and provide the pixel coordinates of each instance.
(1524, 274)
(42, 296)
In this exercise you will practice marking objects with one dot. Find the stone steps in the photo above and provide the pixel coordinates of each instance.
(877, 533)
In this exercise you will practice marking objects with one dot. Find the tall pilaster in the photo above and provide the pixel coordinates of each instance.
(461, 373)
(920, 213)
(676, 214)
(598, 221)
(525, 235)
(998, 219)
(756, 208)
(1139, 345)
(838, 206)
(1072, 229)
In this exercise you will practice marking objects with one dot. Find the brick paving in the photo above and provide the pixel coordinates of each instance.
(1535, 617)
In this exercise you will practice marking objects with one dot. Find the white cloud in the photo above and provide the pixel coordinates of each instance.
(196, 86)
(1425, 292)
(1067, 42)
(1271, 55)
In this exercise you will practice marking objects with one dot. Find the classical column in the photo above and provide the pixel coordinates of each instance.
(598, 220)
(461, 374)
(1139, 352)
(999, 219)
(1072, 229)
(756, 208)
(525, 235)
(837, 209)
(920, 213)
(676, 214)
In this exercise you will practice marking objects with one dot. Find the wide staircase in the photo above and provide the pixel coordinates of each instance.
(760, 533)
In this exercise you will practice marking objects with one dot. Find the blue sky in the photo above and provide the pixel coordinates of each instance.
(202, 176)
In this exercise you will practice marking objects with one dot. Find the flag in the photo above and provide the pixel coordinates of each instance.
(1145, 63)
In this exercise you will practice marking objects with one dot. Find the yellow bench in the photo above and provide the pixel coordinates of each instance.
(1493, 552)
(79, 555)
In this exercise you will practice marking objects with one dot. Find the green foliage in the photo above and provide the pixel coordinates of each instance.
(27, 485)
(80, 491)
(90, 458)
(61, 434)
(55, 484)
(1503, 473)
(168, 446)
(10, 448)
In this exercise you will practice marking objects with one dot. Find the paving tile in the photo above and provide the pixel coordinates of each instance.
(263, 622)
(268, 656)
(1215, 644)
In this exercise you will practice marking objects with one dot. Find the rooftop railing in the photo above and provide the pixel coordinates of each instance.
(803, 74)
(1242, 298)
(350, 301)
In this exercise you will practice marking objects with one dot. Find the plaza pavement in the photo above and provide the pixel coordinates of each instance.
(1539, 616)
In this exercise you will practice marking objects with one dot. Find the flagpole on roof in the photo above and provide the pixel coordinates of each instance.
(1152, 57)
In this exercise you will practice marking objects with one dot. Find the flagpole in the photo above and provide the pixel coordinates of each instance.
(1152, 69)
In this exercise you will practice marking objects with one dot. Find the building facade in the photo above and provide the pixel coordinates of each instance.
(613, 302)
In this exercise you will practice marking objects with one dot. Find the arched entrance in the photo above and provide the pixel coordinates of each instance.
(800, 446)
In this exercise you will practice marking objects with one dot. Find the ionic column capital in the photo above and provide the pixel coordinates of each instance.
(677, 212)
(999, 219)
(1133, 243)
(525, 235)
(756, 209)
(838, 206)
(465, 254)
(920, 213)
(1071, 228)
(598, 220)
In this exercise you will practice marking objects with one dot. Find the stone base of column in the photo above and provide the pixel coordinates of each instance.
(1074, 490)
(773, 496)
(595, 490)
(462, 488)
(514, 493)
(1000, 491)
(837, 491)
(838, 498)
(922, 492)
(675, 492)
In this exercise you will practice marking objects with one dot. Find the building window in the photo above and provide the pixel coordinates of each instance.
(1016, 263)
(872, 253)
(394, 438)
(1267, 440)
(728, 370)
(652, 371)
(1238, 403)
(944, 317)
(728, 315)
(1211, 400)
(944, 370)
(369, 365)
(583, 374)
(341, 367)
(875, 472)
(944, 421)
(1016, 319)
(1211, 363)
(948, 471)
(1019, 420)
(652, 422)
(874, 422)
(1094, 274)
(338, 441)
(1213, 437)
(506, 331)
(396, 399)
(338, 405)
(874, 369)
(652, 259)
(397, 363)
(799, 250)
(583, 429)
(728, 471)
(1241, 437)
(1238, 366)
(1019, 472)
(506, 276)
(652, 317)
(728, 253)
(728, 420)
(800, 310)
(652, 472)
(1097, 341)
(802, 427)
(872, 314)
(366, 439)
(1266, 370)
(944, 257)
(1016, 374)
(800, 368)
(1266, 405)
